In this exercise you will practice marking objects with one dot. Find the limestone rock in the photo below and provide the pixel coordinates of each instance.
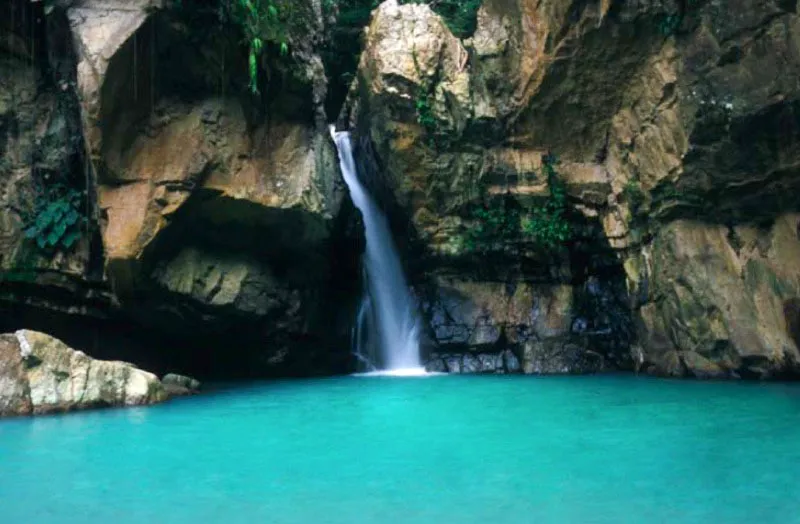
(723, 298)
(40, 374)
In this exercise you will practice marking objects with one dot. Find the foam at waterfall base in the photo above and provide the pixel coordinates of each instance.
(402, 372)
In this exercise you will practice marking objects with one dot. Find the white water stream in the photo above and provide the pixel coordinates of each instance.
(387, 299)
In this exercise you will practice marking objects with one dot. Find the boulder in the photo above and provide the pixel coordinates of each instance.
(177, 385)
(40, 374)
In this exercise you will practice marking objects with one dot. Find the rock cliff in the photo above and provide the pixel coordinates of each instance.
(676, 132)
(576, 185)
(208, 213)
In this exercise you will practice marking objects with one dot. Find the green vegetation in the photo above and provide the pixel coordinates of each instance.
(460, 16)
(545, 226)
(633, 195)
(494, 222)
(261, 21)
(423, 105)
(56, 221)
(23, 272)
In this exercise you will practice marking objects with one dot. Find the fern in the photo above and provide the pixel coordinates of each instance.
(57, 221)
(547, 225)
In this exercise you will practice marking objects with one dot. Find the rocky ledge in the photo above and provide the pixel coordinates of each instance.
(40, 374)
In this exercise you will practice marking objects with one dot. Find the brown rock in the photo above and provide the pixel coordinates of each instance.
(15, 398)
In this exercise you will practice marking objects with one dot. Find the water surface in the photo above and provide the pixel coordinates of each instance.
(443, 450)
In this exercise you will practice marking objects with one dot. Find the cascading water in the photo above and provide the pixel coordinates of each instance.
(387, 294)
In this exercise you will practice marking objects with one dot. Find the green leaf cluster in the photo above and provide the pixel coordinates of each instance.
(547, 225)
(492, 223)
(56, 221)
(261, 21)
(424, 107)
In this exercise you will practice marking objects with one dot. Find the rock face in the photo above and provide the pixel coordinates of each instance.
(658, 139)
(209, 213)
(676, 133)
(40, 374)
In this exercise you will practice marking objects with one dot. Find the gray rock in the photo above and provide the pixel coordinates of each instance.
(436, 365)
(453, 364)
(487, 363)
(470, 364)
(511, 361)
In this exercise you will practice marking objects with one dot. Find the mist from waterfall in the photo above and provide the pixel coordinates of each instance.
(387, 301)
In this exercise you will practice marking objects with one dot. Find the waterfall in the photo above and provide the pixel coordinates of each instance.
(387, 297)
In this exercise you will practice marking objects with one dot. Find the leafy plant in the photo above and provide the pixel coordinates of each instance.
(57, 220)
(424, 109)
(547, 225)
(261, 22)
(492, 223)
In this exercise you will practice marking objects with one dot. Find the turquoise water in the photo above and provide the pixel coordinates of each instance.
(443, 450)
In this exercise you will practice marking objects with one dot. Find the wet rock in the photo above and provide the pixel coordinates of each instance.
(487, 363)
(511, 362)
(453, 364)
(470, 364)
(436, 365)
(722, 300)
(176, 385)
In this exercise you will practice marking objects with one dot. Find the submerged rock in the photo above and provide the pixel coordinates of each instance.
(41, 374)
(176, 385)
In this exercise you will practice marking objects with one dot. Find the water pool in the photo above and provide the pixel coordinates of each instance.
(443, 450)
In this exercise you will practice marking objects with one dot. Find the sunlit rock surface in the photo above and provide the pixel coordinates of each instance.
(41, 374)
